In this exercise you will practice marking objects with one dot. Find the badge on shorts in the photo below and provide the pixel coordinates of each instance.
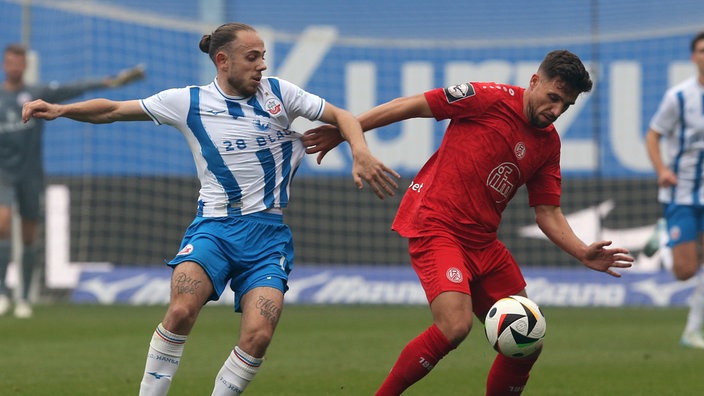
(454, 275)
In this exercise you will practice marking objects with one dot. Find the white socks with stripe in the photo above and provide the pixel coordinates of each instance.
(695, 317)
(165, 352)
(237, 372)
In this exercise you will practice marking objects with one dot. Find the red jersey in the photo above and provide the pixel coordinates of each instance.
(489, 151)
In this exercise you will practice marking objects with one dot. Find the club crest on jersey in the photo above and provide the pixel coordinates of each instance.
(273, 106)
(188, 249)
(459, 91)
(520, 150)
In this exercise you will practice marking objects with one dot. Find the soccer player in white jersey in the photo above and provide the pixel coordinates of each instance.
(680, 120)
(238, 128)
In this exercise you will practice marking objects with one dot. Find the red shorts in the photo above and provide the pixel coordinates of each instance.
(445, 264)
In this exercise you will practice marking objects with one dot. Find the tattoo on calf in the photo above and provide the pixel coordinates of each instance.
(268, 309)
(184, 284)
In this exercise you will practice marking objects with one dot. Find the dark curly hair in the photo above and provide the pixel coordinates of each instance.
(567, 67)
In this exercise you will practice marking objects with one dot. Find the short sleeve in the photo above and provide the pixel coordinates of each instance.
(168, 107)
(665, 119)
(299, 102)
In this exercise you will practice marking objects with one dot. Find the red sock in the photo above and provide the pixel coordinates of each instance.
(415, 361)
(508, 376)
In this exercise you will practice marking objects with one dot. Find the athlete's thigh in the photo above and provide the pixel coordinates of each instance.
(685, 259)
(501, 277)
(5, 221)
(30, 195)
(452, 307)
(190, 285)
(7, 199)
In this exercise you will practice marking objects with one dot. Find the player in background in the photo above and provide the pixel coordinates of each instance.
(21, 162)
(499, 138)
(238, 128)
(680, 120)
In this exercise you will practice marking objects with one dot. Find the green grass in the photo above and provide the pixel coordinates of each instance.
(343, 350)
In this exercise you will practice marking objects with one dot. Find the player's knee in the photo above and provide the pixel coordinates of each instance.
(684, 272)
(255, 343)
(182, 316)
(457, 330)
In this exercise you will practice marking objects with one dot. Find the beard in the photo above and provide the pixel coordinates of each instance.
(537, 121)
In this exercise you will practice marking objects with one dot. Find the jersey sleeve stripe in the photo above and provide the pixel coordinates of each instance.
(276, 88)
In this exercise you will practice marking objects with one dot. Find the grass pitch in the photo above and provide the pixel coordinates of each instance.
(343, 350)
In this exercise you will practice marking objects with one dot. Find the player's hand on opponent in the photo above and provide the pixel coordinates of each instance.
(601, 259)
(378, 176)
(321, 140)
(126, 76)
(40, 109)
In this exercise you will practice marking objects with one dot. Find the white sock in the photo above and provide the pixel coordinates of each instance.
(695, 317)
(237, 372)
(165, 352)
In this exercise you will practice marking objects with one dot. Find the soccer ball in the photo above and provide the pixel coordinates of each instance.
(515, 326)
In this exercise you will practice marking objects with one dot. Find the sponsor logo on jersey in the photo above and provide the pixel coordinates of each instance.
(502, 181)
(273, 106)
(454, 275)
(459, 91)
(188, 249)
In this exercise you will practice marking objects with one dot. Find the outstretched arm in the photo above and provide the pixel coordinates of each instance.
(595, 256)
(365, 165)
(96, 111)
(325, 138)
(63, 92)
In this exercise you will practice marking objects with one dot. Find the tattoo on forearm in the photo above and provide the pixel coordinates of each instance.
(184, 284)
(268, 309)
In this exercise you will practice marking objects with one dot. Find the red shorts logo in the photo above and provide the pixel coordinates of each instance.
(454, 275)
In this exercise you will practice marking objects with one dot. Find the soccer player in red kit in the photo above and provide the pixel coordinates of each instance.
(499, 138)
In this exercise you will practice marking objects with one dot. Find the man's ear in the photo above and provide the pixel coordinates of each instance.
(221, 59)
(534, 80)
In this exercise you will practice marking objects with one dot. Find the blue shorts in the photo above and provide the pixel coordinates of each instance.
(248, 251)
(684, 223)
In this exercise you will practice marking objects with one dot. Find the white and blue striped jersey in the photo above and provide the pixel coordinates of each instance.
(680, 120)
(245, 152)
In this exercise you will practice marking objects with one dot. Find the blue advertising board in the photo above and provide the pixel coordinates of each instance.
(397, 285)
